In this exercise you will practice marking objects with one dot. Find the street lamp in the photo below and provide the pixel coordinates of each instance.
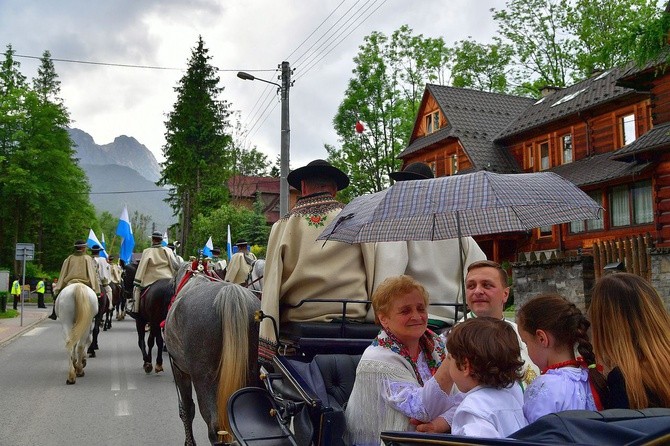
(285, 131)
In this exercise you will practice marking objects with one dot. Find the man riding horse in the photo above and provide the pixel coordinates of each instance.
(240, 264)
(79, 267)
(158, 262)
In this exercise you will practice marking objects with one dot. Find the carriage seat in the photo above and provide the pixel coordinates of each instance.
(339, 336)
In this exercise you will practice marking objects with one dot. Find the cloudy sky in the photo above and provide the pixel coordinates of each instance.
(107, 101)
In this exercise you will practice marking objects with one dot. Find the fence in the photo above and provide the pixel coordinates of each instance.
(632, 252)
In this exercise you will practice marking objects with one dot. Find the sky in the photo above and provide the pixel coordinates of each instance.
(318, 38)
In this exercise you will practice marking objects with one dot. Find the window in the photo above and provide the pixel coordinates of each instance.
(453, 164)
(433, 167)
(567, 148)
(589, 225)
(529, 158)
(544, 156)
(545, 231)
(631, 204)
(432, 122)
(627, 124)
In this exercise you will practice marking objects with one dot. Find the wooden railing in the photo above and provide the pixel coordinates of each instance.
(632, 251)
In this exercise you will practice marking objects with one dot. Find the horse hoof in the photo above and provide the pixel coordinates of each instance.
(158, 368)
(147, 367)
(91, 354)
(68, 382)
(80, 374)
(83, 362)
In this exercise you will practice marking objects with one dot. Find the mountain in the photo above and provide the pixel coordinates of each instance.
(123, 151)
(123, 172)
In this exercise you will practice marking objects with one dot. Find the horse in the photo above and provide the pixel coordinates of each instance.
(99, 319)
(153, 310)
(118, 301)
(212, 342)
(76, 306)
(255, 279)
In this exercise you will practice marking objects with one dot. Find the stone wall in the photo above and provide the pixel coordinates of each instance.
(660, 273)
(570, 277)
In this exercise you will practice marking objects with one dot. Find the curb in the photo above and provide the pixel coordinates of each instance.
(21, 330)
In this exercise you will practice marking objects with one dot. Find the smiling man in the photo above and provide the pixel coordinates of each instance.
(486, 292)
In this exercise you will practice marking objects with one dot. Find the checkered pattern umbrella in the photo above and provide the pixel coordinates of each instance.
(461, 205)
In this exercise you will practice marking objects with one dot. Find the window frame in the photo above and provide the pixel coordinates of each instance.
(621, 122)
(630, 202)
(539, 153)
(432, 121)
(563, 146)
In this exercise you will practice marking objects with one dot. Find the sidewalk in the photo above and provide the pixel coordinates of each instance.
(11, 328)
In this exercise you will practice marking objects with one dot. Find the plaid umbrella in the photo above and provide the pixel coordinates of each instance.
(461, 205)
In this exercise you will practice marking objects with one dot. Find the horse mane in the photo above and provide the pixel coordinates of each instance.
(83, 315)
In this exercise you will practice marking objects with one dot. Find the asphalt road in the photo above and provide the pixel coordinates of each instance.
(115, 403)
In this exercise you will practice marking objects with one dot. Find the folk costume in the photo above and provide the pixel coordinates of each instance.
(558, 389)
(434, 263)
(104, 273)
(240, 265)
(488, 412)
(158, 262)
(79, 267)
(390, 388)
(299, 267)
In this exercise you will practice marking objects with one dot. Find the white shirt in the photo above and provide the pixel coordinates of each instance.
(490, 413)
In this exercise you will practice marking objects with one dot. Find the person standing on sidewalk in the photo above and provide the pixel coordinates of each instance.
(39, 289)
(16, 293)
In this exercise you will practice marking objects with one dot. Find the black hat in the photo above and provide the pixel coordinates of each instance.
(111, 257)
(413, 171)
(96, 249)
(157, 234)
(318, 168)
(216, 250)
(80, 244)
(241, 241)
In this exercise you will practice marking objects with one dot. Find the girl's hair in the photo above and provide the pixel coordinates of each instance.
(569, 327)
(392, 288)
(491, 347)
(631, 330)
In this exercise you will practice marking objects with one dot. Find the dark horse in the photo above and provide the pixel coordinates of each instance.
(212, 340)
(98, 320)
(118, 301)
(153, 310)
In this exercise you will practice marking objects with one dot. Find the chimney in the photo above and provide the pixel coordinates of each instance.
(548, 89)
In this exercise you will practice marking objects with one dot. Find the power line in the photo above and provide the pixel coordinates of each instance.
(315, 30)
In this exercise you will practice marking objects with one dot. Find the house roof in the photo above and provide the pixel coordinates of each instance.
(579, 97)
(597, 169)
(655, 138)
(474, 117)
(246, 186)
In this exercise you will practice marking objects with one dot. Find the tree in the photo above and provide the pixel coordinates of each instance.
(197, 159)
(256, 230)
(482, 67)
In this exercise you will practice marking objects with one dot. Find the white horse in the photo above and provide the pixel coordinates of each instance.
(256, 276)
(76, 307)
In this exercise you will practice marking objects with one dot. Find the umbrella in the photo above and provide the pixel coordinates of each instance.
(461, 205)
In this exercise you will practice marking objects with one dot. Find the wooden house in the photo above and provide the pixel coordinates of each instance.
(609, 135)
(245, 189)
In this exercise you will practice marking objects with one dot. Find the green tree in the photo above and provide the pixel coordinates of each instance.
(482, 67)
(197, 159)
(256, 229)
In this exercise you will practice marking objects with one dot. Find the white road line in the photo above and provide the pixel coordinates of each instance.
(122, 408)
(35, 331)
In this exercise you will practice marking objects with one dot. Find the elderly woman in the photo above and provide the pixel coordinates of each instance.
(399, 376)
(631, 338)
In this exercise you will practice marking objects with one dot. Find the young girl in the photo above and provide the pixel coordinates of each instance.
(484, 362)
(551, 327)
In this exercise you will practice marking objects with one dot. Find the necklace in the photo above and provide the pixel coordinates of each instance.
(569, 363)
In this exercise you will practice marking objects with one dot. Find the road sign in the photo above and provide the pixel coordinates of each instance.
(25, 251)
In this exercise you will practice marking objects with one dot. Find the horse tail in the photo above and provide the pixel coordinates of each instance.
(83, 314)
(235, 317)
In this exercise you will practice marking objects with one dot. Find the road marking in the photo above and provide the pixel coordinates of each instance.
(36, 331)
(122, 408)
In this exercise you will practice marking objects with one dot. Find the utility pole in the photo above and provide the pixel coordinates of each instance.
(285, 140)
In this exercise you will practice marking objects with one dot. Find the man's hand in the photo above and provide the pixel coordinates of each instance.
(438, 425)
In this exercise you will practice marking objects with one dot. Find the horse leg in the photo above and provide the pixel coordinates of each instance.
(71, 375)
(206, 389)
(186, 405)
(96, 330)
(139, 326)
(79, 363)
(160, 343)
(151, 342)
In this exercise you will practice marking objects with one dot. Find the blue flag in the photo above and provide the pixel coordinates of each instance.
(93, 240)
(207, 250)
(125, 231)
(229, 246)
(165, 239)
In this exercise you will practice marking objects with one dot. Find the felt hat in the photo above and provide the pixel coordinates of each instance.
(80, 244)
(413, 171)
(95, 249)
(216, 250)
(157, 234)
(241, 242)
(318, 168)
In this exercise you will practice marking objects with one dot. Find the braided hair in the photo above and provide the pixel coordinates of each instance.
(569, 327)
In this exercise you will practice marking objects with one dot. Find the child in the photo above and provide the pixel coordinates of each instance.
(484, 363)
(551, 327)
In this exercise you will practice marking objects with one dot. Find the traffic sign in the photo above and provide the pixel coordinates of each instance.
(24, 251)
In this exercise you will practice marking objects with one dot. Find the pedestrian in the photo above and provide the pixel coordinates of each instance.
(40, 289)
(16, 293)
(240, 264)
(78, 267)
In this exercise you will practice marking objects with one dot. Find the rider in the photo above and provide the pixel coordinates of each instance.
(218, 264)
(434, 263)
(104, 272)
(240, 264)
(79, 267)
(299, 267)
(158, 262)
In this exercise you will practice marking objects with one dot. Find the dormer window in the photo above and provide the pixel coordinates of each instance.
(432, 122)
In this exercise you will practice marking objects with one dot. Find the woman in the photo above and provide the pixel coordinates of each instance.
(631, 338)
(399, 376)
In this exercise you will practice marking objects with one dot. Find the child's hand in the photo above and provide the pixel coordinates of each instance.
(438, 425)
